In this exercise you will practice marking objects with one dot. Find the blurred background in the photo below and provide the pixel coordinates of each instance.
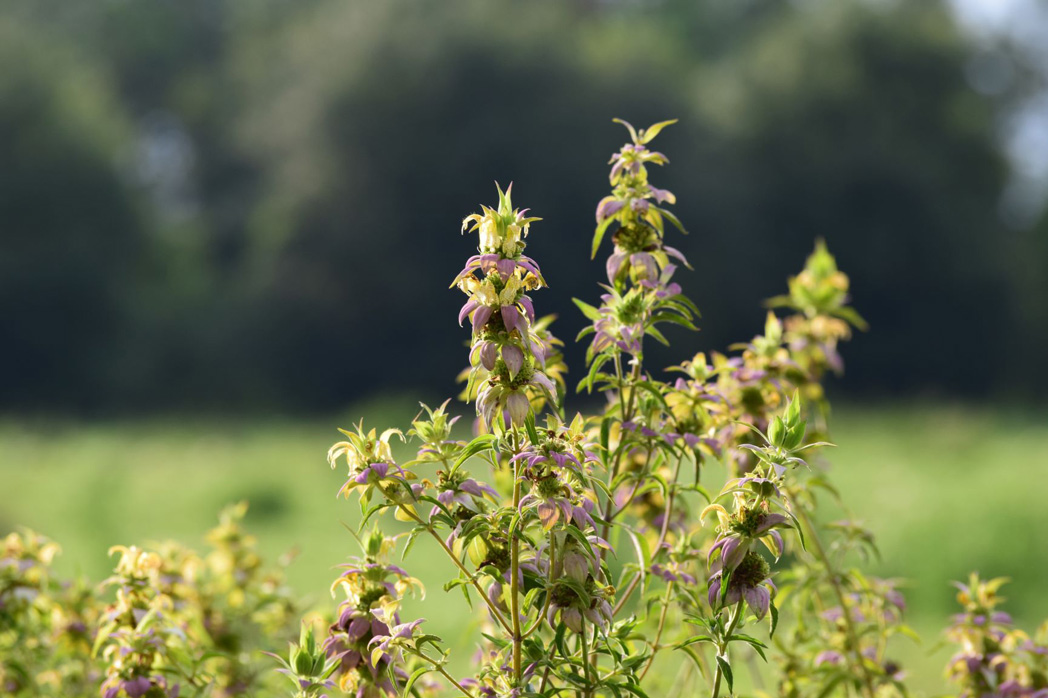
(227, 228)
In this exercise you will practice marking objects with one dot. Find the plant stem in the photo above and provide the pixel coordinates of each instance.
(545, 678)
(658, 633)
(440, 667)
(626, 413)
(515, 581)
(549, 585)
(722, 646)
(586, 660)
(458, 563)
(624, 597)
(831, 573)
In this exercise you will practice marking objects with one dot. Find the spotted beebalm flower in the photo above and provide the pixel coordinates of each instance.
(502, 230)
(497, 555)
(574, 603)
(521, 267)
(507, 357)
(555, 467)
(621, 321)
(673, 572)
(373, 588)
(642, 258)
(749, 582)
(139, 631)
(741, 529)
(371, 465)
(363, 448)
(24, 561)
(381, 645)
(511, 353)
(580, 593)
(636, 206)
(631, 159)
(829, 657)
(819, 294)
(510, 399)
(139, 686)
(461, 495)
(503, 300)
(504, 359)
(554, 501)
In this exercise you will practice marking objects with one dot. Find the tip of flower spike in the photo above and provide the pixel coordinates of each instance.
(505, 198)
(645, 135)
(648, 134)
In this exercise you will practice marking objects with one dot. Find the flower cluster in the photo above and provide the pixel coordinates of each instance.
(639, 255)
(994, 658)
(368, 621)
(167, 622)
(847, 640)
(819, 295)
(506, 355)
(45, 637)
(181, 621)
(140, 632)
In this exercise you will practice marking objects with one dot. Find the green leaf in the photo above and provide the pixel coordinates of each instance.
(419, 673)
(675, 319)
(641, 546)
(651, 388)
(673, 219)
(695, 660)
(473, 448)
(594, 372)
(657, 336)
(774, 618)
(598, 235)
(757, 645)
(793, 410)
(725, 667)
(646, 135)
(529, 424)
(852, 317)
(588, 310)
(605, 434)
(103, 635)
(693, 641)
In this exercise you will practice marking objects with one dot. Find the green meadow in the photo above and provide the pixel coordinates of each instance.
(946, 489)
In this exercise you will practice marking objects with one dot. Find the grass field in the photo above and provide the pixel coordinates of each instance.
(946, 489)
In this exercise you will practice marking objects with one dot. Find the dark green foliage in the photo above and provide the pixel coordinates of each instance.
(319, 140)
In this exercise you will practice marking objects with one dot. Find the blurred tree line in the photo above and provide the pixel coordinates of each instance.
(207, 203)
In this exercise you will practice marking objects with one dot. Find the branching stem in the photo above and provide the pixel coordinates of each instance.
(849, 625)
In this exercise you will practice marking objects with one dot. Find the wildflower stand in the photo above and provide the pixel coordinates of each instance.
(594, 548)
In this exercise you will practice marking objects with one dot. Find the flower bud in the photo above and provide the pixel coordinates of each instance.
(572, 618)
(478, 550)
(576, 566)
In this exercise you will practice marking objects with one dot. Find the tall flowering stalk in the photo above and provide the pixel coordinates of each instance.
(506, 355)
